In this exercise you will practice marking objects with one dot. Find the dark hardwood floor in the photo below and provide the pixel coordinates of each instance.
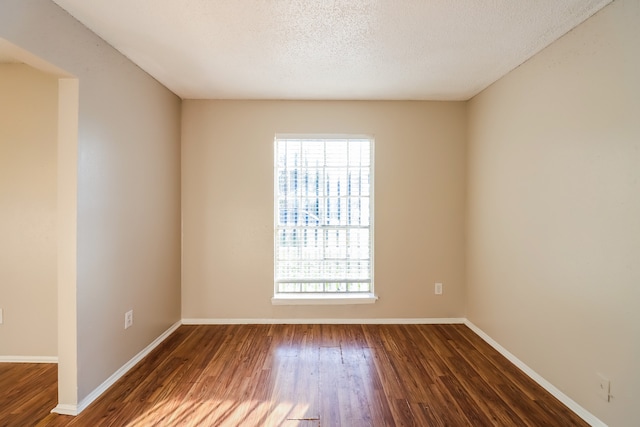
(28, 392)
(302, 375)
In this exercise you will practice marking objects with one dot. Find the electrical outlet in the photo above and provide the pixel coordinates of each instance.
(438, 289)
(1, 316)
(604, 388)
(128, 319)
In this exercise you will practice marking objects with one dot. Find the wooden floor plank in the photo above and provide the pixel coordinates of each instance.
(27, 392)
(301, 375)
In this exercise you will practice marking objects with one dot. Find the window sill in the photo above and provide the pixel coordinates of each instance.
(323, 299)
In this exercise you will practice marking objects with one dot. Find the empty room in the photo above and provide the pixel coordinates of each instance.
(319, 213)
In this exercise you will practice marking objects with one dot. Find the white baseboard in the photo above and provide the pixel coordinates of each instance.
(566, 400)
(66, 409)
(28, 359)
(380, 321)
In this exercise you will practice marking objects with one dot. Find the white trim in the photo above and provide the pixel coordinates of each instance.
(65, 409)
(382, 321)
(322, 299)
(28, 359)
(566, 400)
(76, 409)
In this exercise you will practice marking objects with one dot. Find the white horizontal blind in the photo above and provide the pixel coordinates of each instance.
(323, 221)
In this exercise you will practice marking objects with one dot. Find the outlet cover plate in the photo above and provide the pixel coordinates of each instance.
(128, 319)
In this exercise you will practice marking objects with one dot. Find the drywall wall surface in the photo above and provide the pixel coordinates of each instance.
(128, 195)
(228, 205)
(28, 168)
(553, 212)
(68, 95)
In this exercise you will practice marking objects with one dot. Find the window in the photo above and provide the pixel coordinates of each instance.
(324, 218)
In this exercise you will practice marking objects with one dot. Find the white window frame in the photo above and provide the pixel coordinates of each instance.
(295, 298)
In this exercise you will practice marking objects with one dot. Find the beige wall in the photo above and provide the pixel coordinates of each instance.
(28, 149)
(554, 212)
(227, 202)
(128, 194)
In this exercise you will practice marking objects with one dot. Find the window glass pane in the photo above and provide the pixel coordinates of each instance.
(336, 152)
(358, 181)
(313, 152)
(359, 152)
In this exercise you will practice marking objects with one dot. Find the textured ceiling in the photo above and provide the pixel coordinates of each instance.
(330, 49)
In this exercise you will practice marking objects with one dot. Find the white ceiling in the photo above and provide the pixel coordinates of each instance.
(330, 49)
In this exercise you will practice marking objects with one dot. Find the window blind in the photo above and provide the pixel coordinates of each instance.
(323, 215)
